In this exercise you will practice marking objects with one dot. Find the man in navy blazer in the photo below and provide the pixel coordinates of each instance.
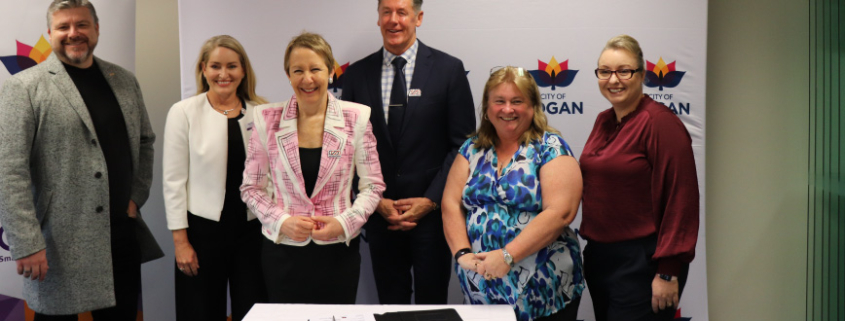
(415, 157)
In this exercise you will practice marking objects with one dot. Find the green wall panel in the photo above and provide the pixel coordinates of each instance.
(826, 228)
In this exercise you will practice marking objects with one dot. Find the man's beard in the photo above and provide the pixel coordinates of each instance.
(77, 57)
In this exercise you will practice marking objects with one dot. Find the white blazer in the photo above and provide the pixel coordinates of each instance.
(194, 162)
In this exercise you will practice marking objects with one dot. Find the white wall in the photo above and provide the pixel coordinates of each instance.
(757, 134)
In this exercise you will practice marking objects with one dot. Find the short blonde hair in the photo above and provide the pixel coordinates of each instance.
(246, 90)
(523, 81)
(629, 44)
(315, 43)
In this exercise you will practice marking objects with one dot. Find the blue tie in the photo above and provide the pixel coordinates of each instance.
(398, 100)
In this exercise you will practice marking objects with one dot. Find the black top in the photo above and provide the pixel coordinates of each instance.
(232, 202)
(112, 137)
(310, 160)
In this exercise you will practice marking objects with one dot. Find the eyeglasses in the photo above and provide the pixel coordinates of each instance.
(623, 74)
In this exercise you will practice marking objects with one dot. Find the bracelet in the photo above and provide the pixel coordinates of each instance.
(461, 252)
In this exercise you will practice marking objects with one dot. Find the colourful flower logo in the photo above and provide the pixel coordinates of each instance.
(337, 80)
(27, 56)
(662, 75)
(553, 74)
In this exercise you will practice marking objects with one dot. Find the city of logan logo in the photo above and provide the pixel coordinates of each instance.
(662, 75)
(553, 74)
(337, 80)
(27, 56)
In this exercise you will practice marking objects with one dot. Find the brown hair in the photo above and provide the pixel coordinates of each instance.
(523, 81)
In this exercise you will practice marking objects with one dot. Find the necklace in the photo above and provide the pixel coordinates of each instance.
(226, 111)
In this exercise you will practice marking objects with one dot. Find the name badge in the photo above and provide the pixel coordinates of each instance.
(333, 153)
(414, 92)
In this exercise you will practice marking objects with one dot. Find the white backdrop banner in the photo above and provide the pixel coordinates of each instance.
(559, 41)
(24, 42)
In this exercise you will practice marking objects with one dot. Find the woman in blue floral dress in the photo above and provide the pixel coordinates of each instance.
(512, 243)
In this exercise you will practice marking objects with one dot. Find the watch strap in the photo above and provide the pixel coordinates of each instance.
(508, 257)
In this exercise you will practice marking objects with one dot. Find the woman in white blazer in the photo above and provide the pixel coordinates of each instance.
(217, 240)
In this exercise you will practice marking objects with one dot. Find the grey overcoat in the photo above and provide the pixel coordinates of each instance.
(49, 194)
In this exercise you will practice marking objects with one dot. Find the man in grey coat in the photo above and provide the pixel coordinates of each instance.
(76, 163)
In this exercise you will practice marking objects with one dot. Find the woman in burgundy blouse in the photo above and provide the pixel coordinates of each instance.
(640, 199)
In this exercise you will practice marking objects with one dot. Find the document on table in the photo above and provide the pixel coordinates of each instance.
(354, 317)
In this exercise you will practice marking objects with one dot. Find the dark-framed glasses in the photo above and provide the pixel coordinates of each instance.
(623, 74)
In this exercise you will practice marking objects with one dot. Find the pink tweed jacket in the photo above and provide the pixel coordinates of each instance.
(349, 147)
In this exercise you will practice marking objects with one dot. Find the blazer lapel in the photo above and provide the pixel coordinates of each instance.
(125, 96)
(334, 139)
(246, 123)
(422, 70)
(288, 146)
(373, 78)
(68, 89)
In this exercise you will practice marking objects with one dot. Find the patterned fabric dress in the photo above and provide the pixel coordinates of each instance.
(498, 209)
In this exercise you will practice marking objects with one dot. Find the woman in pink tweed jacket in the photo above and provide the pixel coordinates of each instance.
(309, 148)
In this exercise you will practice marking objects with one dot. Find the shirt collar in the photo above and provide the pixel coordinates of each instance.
(409, 54)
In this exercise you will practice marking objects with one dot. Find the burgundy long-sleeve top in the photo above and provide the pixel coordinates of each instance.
(640, 180)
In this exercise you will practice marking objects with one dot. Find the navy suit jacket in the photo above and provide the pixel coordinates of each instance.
(435, 124)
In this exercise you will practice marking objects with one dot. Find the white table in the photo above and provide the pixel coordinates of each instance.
(303, 312)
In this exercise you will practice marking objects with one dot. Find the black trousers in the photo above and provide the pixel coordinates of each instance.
(126, 264)
(569, 313)
(317, 274)
(229, 255)
(619, 276)
(395, 254)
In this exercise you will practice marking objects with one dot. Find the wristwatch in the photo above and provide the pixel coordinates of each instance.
(508, 257)
(665, 277)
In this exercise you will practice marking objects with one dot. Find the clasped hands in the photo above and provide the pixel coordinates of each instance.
(322, 228)
(490, 265)
(403, 214)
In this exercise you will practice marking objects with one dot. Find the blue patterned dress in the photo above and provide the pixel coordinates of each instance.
(498, 209)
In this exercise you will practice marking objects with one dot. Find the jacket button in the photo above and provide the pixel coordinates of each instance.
(94, 142)
(99, 209)
(98, 175)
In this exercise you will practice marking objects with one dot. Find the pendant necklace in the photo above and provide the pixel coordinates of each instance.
(226, 111)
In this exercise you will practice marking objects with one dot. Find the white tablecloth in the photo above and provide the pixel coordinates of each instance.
(304, 312)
